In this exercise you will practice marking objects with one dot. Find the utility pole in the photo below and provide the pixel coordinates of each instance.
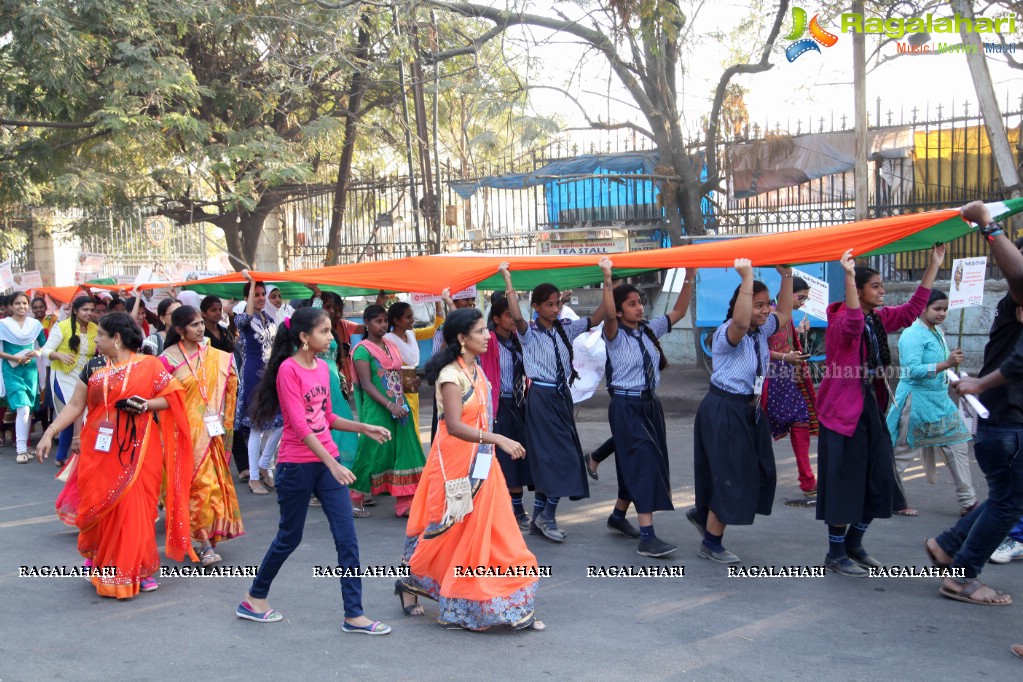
(993, 121)
(860, 175)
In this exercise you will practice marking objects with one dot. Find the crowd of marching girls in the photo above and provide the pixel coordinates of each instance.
(144, 409)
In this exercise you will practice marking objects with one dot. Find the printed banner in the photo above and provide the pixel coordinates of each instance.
(469, 292)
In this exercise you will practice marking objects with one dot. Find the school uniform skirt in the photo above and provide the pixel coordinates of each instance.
(553, 450)
(856, 479)
(733, 459)
(641, 451)
(511, 423)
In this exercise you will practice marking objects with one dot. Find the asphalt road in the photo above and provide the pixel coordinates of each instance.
(703, 626)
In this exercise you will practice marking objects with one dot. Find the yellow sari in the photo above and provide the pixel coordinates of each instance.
(211, 387)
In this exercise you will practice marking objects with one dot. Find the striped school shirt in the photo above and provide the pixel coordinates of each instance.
(735, 367)
(507, 360)
(538, 350)
(625, 356)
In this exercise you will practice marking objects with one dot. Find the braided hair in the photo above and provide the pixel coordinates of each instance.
(75, 343)
(621, 293)
(540, 294)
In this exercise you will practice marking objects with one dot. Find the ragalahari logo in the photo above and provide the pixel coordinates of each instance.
(817, 35)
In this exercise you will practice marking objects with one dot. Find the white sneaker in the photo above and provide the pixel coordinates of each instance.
(1007, 551)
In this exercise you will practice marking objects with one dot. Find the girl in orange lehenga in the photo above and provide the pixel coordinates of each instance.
(122, 461)
(440, 550)
(211, 387)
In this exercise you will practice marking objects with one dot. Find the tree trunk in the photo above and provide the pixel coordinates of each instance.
(356, 91)
(243, 229)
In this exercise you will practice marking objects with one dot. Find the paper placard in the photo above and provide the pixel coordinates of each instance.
(967, 288)
(28, 280)
(470, 292)
(6, 276)
(817, 303)
(674, 279)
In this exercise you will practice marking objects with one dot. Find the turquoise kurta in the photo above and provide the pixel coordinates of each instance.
(347, 442)
(934, 418)
(21, 383)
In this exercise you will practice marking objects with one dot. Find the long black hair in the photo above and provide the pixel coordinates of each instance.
(180, 318)
(395, 313)
(540, 294)
(75, 343)
(121, 323)
(161, 310)
(758, 287)
(460, 321)
(622, 292)
(267, 403)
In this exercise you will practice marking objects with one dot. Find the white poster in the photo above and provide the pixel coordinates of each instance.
(192, 275)
(6, 276)
(967, 289)
(674, 279)
(817, 303)
(433, 298)
(28, 280)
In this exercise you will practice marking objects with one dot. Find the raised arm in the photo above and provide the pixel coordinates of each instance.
(1005, 253)
(250, 300)
(513, 299)
(784, 308)
(742, 312)
(684, 298)
(937, 258)
(608, 301)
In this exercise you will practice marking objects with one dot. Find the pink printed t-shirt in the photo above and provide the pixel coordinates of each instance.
(306, 408)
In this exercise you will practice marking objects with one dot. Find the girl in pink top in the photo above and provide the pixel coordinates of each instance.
(298, 385)
(855, 464)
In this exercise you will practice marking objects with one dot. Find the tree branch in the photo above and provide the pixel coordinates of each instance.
(45, 124)
(719, 95)
(595, 125)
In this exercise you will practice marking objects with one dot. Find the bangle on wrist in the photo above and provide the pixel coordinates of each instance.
(787, 276)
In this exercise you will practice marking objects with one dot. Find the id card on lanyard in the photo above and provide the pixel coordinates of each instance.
(214, 425)
(105, 432)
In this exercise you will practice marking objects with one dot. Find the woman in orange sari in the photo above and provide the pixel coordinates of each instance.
(124, 454)
(211, 387)
(447, 554)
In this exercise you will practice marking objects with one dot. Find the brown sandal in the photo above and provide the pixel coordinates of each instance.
(968, 589)
(256, 488)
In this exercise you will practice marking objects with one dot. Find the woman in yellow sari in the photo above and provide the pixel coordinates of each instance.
(125, 454)
(211, 388)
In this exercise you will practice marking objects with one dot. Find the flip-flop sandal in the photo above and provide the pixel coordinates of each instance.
(209, 557)
(22, 458)
(360, 513)
(374, 628)
(245, 611)
(908, 511)
(934, 558)
(969, 588)
(369, 502)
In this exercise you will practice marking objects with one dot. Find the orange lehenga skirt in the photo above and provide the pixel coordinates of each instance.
(489, 537)
(119, 489)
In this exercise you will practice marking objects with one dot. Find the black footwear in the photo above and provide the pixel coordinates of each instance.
(401, 589)
(587, 458)
(548, 528)
(693, 518)
(655, 548)
(862, 559)
(844, 566)
(622, 526)
(523, 520)
(722, 557)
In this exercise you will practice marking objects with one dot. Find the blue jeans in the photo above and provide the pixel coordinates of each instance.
(999, 451)
(64, 440)
(295, 484)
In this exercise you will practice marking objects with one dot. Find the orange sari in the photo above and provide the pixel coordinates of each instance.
(210, 383)
(119, 488)
(489, 537)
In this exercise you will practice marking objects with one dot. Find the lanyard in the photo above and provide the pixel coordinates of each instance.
(106, 385)
(198, 383)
